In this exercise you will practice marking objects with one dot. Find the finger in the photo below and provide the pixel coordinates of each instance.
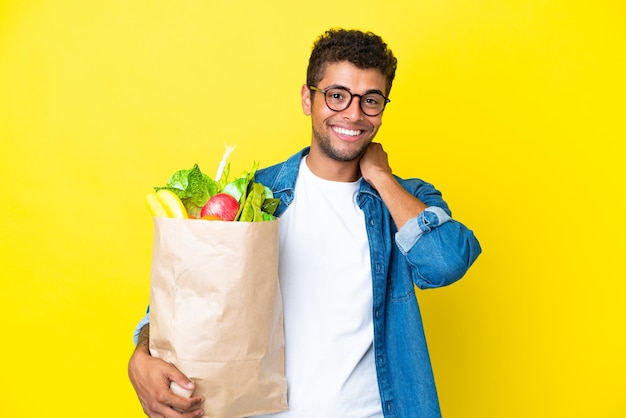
(183, 392)
(181, 381)
(190, 406)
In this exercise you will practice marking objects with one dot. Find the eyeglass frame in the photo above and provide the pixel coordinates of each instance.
(352, 95)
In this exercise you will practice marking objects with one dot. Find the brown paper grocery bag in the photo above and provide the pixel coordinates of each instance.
(216, 312)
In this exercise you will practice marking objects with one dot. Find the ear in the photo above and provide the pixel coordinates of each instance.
(306, 99)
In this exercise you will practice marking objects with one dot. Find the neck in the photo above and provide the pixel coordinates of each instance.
(328, 169)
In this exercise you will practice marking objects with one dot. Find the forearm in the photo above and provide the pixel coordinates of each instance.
(143, 340)
(401, 204)
(139, 327)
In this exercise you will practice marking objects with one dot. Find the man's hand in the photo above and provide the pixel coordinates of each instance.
(376, 171)
(151, 379)
(374, 164)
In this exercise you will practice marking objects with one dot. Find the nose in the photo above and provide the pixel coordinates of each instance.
(353, 111)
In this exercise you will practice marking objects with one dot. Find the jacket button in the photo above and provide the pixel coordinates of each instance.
(389, 406)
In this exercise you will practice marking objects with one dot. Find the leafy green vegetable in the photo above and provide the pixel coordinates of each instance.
(193, 187)
(268, 217)
(270, 205)
(237, 188)
(251, 211)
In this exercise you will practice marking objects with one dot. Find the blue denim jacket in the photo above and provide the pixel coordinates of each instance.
(431, 250)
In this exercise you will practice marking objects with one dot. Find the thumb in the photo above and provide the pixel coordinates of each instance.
(181, 391)
(180, 384)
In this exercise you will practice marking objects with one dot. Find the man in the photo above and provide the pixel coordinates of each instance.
(354, 240)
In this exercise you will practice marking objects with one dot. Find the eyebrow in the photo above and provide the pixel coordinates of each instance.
(339, 86)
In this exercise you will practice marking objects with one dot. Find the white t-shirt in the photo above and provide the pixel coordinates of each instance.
(326, 284)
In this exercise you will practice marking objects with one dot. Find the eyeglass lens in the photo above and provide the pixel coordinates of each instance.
(339, 99)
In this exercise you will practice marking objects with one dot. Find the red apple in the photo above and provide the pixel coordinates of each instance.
(222, 205)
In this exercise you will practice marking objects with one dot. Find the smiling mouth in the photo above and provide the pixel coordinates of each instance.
(347, 132)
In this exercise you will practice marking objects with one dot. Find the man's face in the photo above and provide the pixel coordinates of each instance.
(344, 135)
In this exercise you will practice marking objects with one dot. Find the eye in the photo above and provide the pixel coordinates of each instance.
(373, 100)
(336, 95)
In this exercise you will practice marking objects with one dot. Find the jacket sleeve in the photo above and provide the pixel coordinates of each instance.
(438, 248)
(144, 321)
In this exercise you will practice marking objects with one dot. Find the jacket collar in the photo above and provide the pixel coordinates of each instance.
(285, 181)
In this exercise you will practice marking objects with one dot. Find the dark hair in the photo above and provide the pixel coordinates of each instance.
(363, 49)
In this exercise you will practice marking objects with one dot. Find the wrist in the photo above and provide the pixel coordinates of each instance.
(143, 340)
(143, 348)
(380, 179)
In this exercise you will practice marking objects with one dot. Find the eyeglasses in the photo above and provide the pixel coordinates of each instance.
(339, 99)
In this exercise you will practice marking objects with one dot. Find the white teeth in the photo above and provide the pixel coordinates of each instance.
(344, 131)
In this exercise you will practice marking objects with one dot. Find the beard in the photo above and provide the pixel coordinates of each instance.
(324, 143)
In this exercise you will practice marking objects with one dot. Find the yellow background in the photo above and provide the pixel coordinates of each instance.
(513, 108)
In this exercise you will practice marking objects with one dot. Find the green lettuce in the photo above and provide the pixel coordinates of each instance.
(193, 187)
